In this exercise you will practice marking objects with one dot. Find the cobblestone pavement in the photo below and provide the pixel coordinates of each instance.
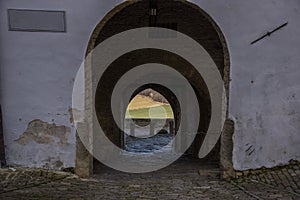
(170, 183)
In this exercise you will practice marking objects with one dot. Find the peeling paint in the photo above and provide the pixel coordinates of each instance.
(76, 115)
(71, 115)
(58, 164)
(53, 163)
(44, 133)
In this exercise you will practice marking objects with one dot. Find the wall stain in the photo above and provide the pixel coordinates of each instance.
(44, 133)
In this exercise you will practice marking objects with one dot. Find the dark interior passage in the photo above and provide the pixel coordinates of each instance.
(181, 16)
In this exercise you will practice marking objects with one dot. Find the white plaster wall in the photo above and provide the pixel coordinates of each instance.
(267, 111)
(38, 69)
(37, 74)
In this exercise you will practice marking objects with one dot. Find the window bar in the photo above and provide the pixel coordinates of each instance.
(152, 13)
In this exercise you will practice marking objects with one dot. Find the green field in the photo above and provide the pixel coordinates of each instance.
(156, 112)
(145, 107)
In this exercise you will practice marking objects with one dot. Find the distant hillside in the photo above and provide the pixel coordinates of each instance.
(141, 101)
(155, 96)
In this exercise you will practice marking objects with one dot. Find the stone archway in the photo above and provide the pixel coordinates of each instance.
(181, 16)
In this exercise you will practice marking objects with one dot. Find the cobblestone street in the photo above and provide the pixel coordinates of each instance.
(170, 183)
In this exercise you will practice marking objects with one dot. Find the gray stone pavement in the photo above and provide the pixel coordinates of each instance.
(178, 181)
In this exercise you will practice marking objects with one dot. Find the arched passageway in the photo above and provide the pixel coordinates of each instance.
(183, 17)
(149, 120)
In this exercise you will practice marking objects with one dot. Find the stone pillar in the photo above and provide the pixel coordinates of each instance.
(226, 150)
(132, 129)
(171, 127)
(84, 160)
